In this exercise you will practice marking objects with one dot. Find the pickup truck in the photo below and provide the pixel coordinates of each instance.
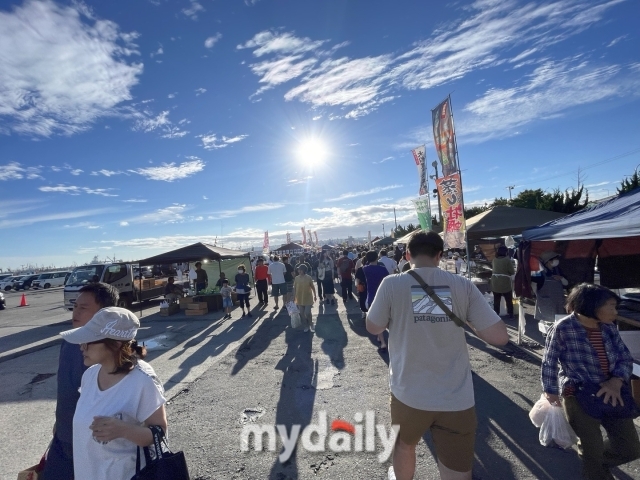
(120, 275)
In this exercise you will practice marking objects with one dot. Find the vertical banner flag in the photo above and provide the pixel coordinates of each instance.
(310, 237)
(304, 236)
(423, 209)
(369, 238)
(288, 237)
(453, 225)
(444, 137)
(420, 156)
(265, 244)
(316, 235)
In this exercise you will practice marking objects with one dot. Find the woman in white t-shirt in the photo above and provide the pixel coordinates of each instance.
(120, 397)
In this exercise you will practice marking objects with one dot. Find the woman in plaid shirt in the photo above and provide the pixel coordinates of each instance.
(585, 348)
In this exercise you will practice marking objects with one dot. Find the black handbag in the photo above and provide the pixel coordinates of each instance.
(595, 407)
(165, 465)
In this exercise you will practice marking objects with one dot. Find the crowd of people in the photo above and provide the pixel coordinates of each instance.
(109, 397)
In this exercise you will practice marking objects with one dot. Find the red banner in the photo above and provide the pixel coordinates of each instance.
(265, 244)
(453, 226)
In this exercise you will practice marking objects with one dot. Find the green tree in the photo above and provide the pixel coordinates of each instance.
(473, 211)
(629, 182)
(567, 202)
(528, 198)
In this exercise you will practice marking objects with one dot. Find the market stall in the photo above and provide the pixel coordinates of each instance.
(606, 234)
(289, 249)
(214, 261)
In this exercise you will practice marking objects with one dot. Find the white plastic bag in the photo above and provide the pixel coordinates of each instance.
(296, 321)
(539, 411)
(556, 429)
(292, 308)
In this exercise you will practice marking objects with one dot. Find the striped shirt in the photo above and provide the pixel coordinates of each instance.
(571, 359)
(595, 337)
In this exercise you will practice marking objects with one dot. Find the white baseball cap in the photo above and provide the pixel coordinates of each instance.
(111, 322)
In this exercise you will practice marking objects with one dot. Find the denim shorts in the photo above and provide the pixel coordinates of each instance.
(278, 289)
(227, 302)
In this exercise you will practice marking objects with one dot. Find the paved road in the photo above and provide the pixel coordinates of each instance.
(220, 373)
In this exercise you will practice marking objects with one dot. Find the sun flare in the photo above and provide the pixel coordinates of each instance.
(312, 151)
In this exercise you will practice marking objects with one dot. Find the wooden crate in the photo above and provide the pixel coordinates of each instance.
(184, 302)
(193, 312)
(172, 309)
(197, 306)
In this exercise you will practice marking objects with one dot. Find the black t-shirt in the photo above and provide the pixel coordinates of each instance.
(288, 276)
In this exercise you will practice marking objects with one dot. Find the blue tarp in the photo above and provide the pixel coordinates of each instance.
(615, 218)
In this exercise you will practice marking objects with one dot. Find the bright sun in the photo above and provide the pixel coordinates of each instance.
(312, 151)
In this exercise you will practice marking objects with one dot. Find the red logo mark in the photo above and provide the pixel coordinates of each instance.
(342, 426)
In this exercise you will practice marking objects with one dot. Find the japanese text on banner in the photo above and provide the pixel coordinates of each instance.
(453, 227)
(420, 157)
(265, 244)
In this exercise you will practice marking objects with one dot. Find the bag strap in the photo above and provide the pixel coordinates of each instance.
(158, 439)
(437, 299)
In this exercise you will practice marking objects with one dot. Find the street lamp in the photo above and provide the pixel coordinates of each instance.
(510, 187)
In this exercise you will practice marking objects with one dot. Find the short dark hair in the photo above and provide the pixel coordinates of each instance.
(371, 256)
(345, 252)
(276, 258)
(104, 294)
(285, 258)
(425, 243)
(302, 267)
(587, 298)
(225, 281)
(125, 354)
(383, 253)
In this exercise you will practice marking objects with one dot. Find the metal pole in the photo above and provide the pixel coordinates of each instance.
(434, 164)
(510, 187)
(455, 146)
(395, 219)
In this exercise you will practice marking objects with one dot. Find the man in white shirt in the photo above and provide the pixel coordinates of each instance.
(390, 263)
(429, 370)
(278, 284)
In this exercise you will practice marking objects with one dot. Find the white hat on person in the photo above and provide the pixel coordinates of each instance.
(111, 322)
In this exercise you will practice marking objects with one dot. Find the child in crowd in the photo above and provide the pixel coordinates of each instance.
(227, 302)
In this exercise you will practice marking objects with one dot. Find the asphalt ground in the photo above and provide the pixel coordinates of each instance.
(220, 375)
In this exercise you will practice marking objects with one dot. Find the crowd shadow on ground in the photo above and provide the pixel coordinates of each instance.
(297, 394)
(359, 327)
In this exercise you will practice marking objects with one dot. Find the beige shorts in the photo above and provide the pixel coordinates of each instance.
(453, 433)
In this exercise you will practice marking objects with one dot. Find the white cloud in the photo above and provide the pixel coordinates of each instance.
(485, 37)
(211, 41)
(546, 93)
(172, 95)
(260, 207)
(106, 173)
(172, 214)
(135, 200)
(616, 40)
(62, 69)
(55, 169)
(160, 51)
(124, 224)
(76, 171)
(75, 190)
(212, 142)
(200, 91)
(15, 171)
(23, 221)
(268, 42)
(361, 193)
(193, 10)
(168, 172)
(146, 122)
(386, 159)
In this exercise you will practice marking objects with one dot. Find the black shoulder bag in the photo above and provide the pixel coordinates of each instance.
(165, 465)
(437, 299)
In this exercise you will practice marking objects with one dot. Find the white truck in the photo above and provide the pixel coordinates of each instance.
(120, 275)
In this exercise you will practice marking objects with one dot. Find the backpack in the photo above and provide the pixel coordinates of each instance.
(344, 266)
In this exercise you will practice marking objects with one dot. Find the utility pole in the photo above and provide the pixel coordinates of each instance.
(510, 187)
(395, 219)
(383, 234)
(434, 164)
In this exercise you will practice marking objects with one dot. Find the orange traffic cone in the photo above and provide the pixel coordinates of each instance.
(23, 301)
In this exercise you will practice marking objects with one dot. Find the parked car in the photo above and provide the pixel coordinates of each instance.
(4, 276)
(50, 279)
(24, 283)
(7, 283)
(2, 301)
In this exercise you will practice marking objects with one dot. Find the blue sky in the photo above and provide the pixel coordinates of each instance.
(131, 127)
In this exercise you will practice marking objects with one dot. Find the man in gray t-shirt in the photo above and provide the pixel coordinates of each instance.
(429, 370)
